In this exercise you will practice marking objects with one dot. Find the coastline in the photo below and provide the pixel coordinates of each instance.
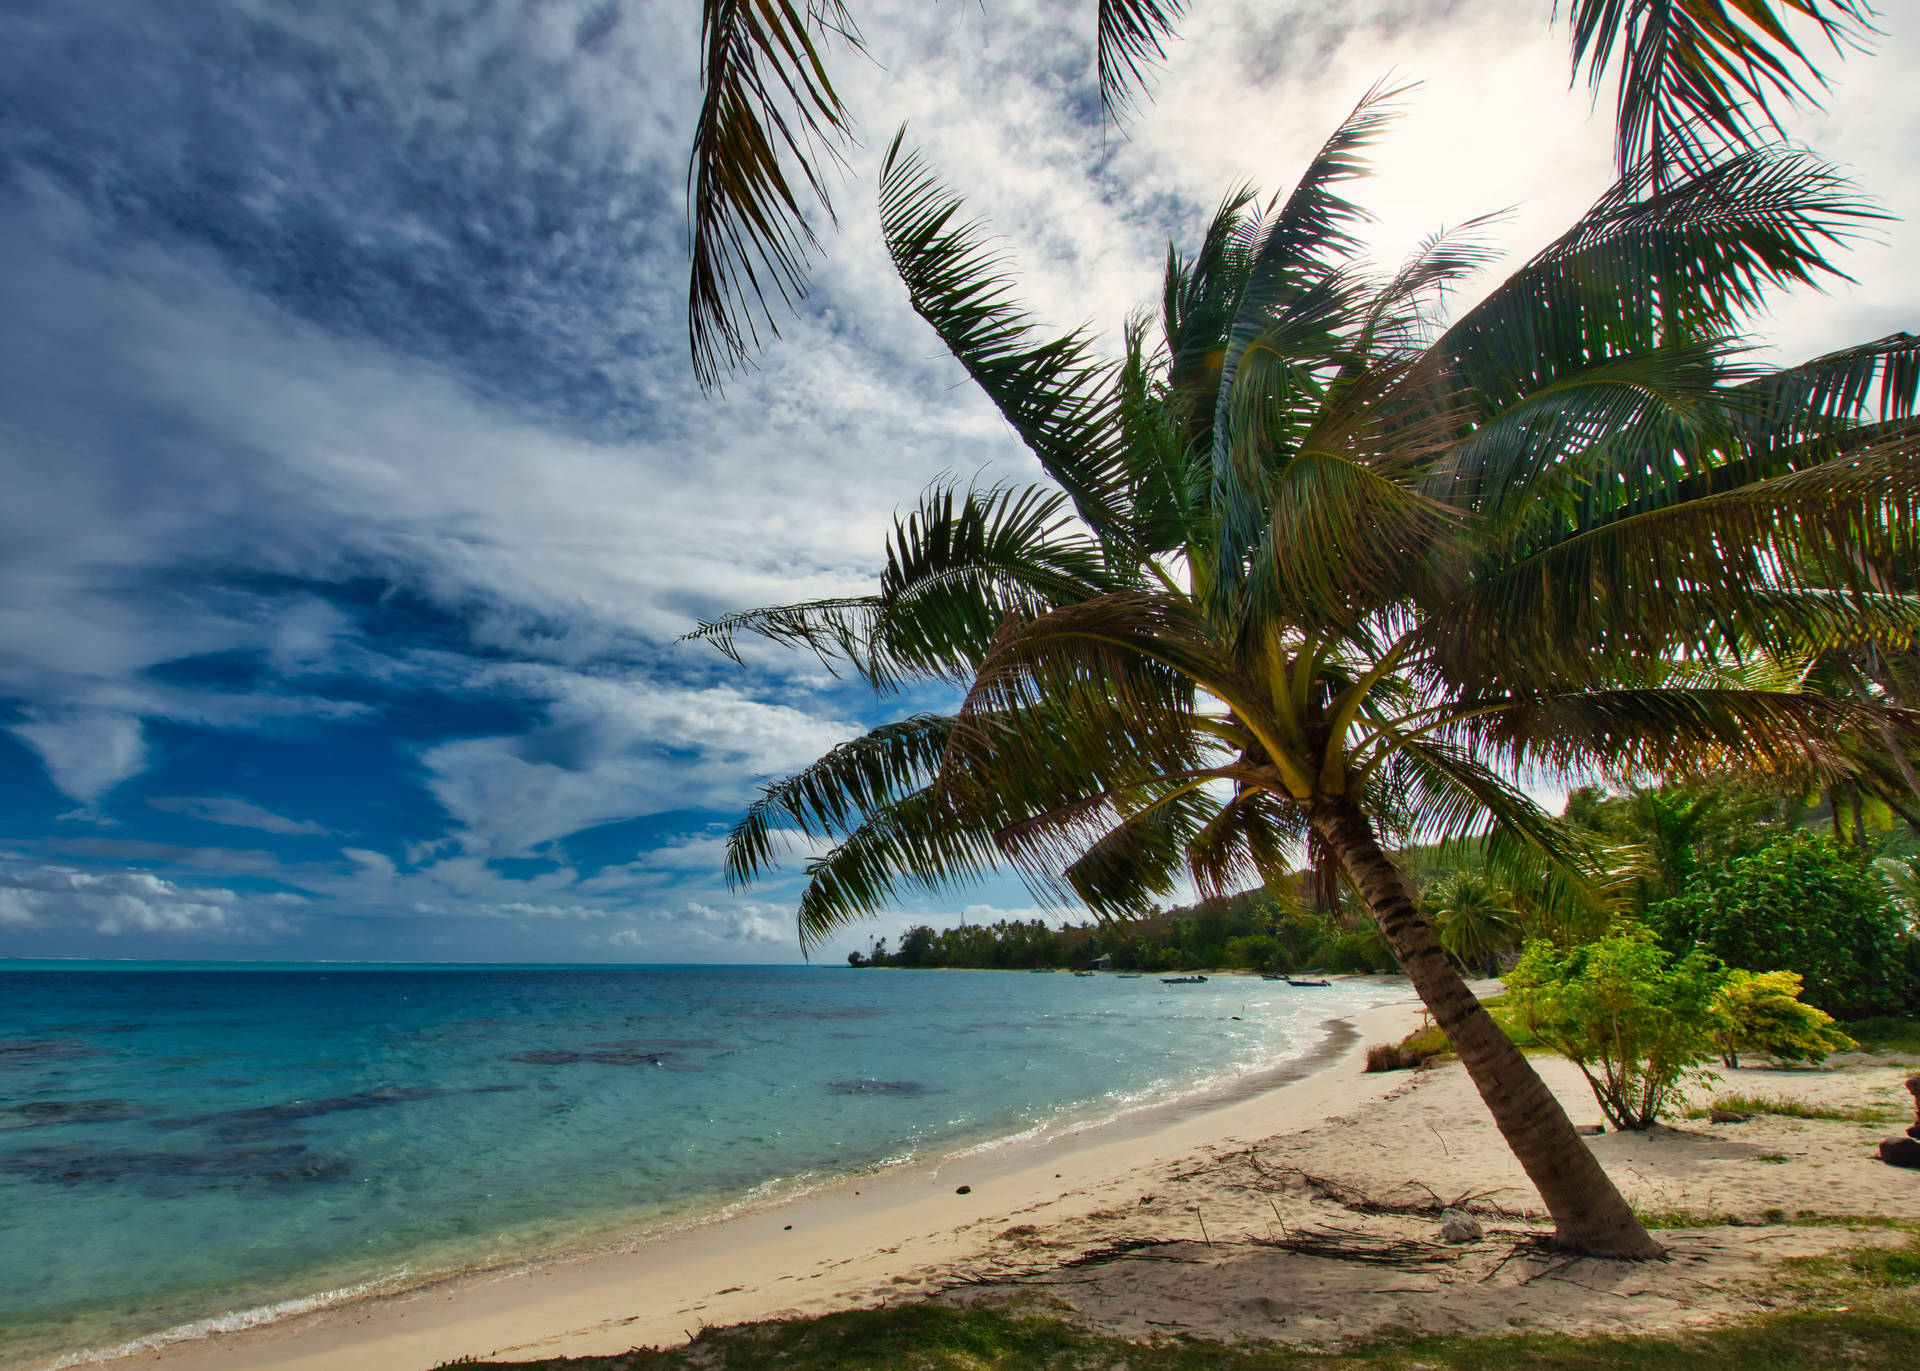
(841, 1243)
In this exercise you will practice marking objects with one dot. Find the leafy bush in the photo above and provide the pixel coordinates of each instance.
(1635, 1020)
(1796, 904)
(1359, 953)
(1257, 951)
(1761, 1014)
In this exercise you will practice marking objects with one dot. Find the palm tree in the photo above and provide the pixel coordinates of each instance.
(1691, 74)
(1323, 572)
(1475, 918)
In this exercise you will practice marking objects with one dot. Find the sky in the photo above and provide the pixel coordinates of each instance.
(358, 488)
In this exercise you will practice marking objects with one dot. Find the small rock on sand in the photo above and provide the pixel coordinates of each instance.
(1728, 1116)
(1461, 1228)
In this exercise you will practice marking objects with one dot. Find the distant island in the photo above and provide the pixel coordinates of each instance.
(1252, 930)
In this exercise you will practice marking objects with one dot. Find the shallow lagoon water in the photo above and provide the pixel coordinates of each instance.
(181, 1143)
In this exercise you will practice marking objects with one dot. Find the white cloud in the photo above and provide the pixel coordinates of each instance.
(125, 902)
(16, 906)
(221, 809)
(86, 754)
(614, 749)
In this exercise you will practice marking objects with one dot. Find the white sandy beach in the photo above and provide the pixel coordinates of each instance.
(1208, 1186)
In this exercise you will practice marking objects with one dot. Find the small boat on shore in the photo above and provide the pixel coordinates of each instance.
(1267, 977)
(1183, 980)
(1296, 981)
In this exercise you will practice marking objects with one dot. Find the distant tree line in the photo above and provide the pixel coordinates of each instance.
(1726, 869)
(1258, 930)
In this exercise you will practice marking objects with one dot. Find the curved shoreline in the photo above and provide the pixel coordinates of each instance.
(865, 1232)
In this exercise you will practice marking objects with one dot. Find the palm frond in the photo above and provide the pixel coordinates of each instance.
(919, 843)
(768, 102)
(1877, 382)
(1297, 244)
(1056, 393)
(956, 567)
(1470, 811)
(1133, 38)
(1630, 733)
(1645, 270)
(1250, 841)
(1695, 73)
(861, 777)
(1785, 563)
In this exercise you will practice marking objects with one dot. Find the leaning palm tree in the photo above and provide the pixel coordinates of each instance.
(1324, 574)
(1693, 75)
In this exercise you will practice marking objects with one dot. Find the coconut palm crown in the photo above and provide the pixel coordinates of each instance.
(1318, 571)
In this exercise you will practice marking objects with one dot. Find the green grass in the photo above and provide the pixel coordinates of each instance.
(1803, 1218)
(1885, 1035)
(1860, 1309)
(1786, 1107)
(932, 1338)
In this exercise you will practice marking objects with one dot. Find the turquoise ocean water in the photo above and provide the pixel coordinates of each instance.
(183, 1147)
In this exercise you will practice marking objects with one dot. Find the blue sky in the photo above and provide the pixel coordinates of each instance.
(358, 487)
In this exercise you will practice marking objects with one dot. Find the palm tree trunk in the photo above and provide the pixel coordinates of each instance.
(1589, 1214)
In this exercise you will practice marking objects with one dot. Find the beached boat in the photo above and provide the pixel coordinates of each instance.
(1266, 977)
(1183, 980)
(1292, 980)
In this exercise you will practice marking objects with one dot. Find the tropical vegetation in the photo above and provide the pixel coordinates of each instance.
(1324, 571)
(1638, 1022)
(1761, 1014)
(1798, 904)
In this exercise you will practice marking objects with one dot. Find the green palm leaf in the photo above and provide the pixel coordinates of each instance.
(1133, 38)
(835, 794)
(1693, 73)
(768, 102)
(1057, 394)
(956, 567)
(1640, 271)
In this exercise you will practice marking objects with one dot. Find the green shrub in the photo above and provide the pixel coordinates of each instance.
(1355, 954)
(1635, 1020)
(1761, 1014)
(1796, 904)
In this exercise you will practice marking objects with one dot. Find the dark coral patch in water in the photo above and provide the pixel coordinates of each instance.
(23, 1051)
(601, 1056)
(42, 1113)
(68, 1166)
(240, 1125)
(877, 1087)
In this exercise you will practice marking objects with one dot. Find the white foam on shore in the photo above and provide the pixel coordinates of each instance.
(233, 1322)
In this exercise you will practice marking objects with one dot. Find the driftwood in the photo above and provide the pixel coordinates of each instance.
(1358, 1201)
(1405, 1254)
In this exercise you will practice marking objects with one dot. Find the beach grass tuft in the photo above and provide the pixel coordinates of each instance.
(1786, 1107)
